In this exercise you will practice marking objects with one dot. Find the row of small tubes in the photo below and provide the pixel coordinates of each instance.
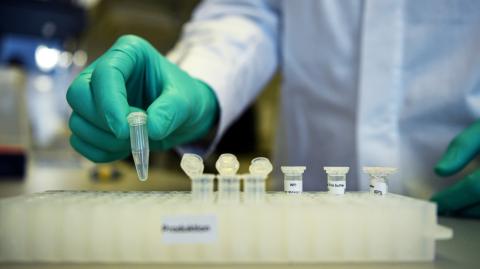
(227, 166)
(336, 179)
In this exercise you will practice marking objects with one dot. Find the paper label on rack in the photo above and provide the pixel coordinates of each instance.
(336, 187)
(378, 187)
(189, 229)
(292, 186)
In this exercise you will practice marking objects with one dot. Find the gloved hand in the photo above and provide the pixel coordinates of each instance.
(130, 76)
(463, 198)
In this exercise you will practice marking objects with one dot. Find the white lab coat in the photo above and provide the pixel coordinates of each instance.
(370, 82)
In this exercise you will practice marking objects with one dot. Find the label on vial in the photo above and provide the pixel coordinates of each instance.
(188, 229)
(292, 186)
(336, 187)
(378, 187)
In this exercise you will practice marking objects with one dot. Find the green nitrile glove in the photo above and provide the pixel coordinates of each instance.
(130, 76)
(463, 198)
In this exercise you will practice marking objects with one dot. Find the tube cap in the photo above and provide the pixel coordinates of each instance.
(379, 171)
(227, 164)
(336, 170)
(260, 166)
(137, 118)
(293, 170)
(192, 164)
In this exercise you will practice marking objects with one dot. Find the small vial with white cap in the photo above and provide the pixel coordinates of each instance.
(336, 179)
(228, 181)
(139, 142)
(254, 183)
(378, 179)
(202, 184)
(293, 179)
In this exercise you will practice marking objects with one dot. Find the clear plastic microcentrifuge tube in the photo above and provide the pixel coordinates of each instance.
(202, 187)
(336, 179)
(378, 179)
(202, 184)
(254, 183)
(228, 181)
(293, 179)
(139, 142)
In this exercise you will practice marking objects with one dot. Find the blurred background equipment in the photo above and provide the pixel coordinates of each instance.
(14, 125)
(33, 66)
(39, 58)
(37, 40)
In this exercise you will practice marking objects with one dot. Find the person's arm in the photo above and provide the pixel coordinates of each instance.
(229, 46)
(232, 46)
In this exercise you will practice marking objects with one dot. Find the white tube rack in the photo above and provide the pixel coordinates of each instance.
(79, 226)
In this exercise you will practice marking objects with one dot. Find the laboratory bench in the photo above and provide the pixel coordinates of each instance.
(462, 251)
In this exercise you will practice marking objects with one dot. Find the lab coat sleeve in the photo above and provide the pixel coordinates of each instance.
(233, 47)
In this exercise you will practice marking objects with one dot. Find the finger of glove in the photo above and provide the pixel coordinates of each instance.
(464, 193)
(158, 145)
(470, 212)
(167, 113)
(109, 90)
(179, 137)
(460, 151)
(79, 97)
(95, 154)
(96, 137)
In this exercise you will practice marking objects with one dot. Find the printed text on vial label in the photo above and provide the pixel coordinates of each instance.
(336, 187)
(292, 186)
(378, 187)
